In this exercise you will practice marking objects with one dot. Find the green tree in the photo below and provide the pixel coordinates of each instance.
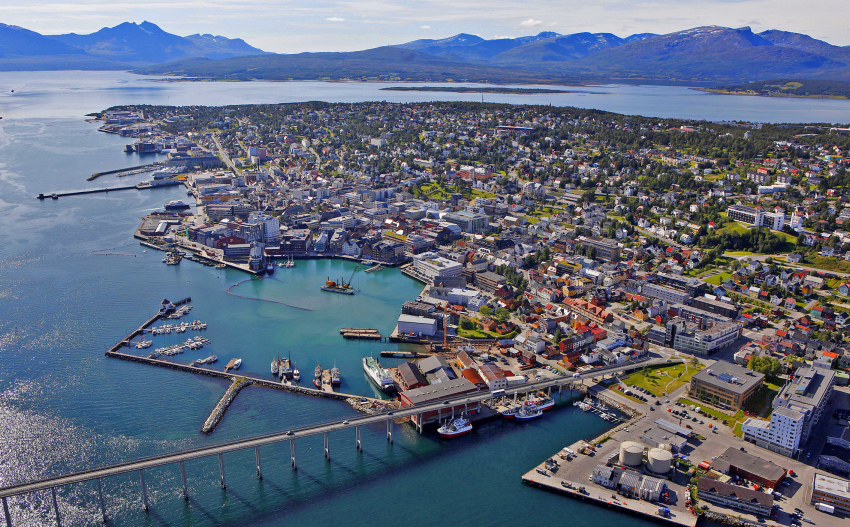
(502, 315)
(485, 311)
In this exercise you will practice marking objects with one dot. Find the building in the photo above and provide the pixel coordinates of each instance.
(433, 267)
(417, 325)
(831, 491)
(702, 319)
(735, 496)
(628, 482)
(488, 281)
(807, 393)
(715, 306)
(668, 294)
(686, 336)
(468, 221)
(606, 249)
(757, 217)
(734, 462)
(692, 286)
(493, 376)
(782, 434)
(657, 436)
(410, 377)
(430, 394)
(726, 385)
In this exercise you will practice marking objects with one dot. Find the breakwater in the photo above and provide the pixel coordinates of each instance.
(127, 171)
(229, 292)
(224, 403)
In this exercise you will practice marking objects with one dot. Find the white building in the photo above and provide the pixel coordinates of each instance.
(782, 434)
(757, 217)
(417, 325)
(434, 267)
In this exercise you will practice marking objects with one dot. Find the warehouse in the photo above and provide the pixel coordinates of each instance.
(430, 394)
(417, 325)
(831, 491)
(656, 436)
(734, 462)
(735, 496)
(410, 377)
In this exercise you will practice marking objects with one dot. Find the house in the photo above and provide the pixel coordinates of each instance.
(790, 303)
(793, 258)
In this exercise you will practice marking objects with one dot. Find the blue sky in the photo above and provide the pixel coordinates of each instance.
(342, 25)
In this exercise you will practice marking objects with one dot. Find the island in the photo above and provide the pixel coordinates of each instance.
(801, 88)
(485, 89)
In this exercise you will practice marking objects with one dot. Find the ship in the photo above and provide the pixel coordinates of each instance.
(285, 368)
(509, 413)
(527, 412)
(270, 267)
(455, 427)
(541, 401)
(176, 204)
(378, 375)
(336, 379)
(275, 367)
(317, 373)
(342, 286)
(296, 375)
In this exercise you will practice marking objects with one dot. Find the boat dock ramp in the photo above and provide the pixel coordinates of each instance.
(361, 334)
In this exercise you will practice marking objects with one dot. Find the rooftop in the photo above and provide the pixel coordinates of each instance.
(832, 485)
(443, 390)
(749, 463)
(730, 377)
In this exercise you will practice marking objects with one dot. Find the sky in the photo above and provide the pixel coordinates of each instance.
(286, 26)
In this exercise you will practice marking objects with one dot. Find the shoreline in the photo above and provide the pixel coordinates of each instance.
(718, 91)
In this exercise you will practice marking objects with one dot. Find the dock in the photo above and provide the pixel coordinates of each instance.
(139, 186)
(361, 334)
(120, 172)
(374, 268)
(231, 365)
(404, 354)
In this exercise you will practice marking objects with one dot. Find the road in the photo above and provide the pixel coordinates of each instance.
(257, 442)
(223, 155)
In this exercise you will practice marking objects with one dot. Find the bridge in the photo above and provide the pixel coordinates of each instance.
(291, 436)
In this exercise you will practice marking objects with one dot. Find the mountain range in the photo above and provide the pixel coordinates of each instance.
(709, 55)
(125, 46)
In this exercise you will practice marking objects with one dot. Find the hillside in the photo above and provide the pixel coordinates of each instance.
(818, 89)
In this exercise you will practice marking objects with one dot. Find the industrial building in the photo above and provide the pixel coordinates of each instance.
(430, 394)
(734, 496)
(658, 437)
(417, 325)
(628, 482)
(831, 491)
(734, 462)
(726, 385)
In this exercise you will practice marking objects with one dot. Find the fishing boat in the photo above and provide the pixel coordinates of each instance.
(541, 401)
(296, 375)
(455, 427)
(377, 374)
(317, 373)
(528, 412)
(285, 368)
(270, 268)
(275, 367)
(336, 379)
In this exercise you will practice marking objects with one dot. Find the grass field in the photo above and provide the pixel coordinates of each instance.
(663, 379)
(826, 263)
(733, 227)
(718, 278)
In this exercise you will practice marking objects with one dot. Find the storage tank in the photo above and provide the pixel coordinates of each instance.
(631, 453)
(659, 460)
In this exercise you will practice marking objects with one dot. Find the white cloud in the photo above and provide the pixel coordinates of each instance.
(531, 22)
(425, 27)
(335, 19)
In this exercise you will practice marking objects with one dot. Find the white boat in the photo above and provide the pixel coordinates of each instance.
(455, 427)
(275, 367)
(176, 204)
(296, 375)
(528, 412)
(237, 363)
(377, 374)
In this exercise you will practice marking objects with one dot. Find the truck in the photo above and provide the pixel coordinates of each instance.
(825, 507)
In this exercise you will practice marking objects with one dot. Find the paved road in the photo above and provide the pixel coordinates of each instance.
(285, 436)
(223, 155)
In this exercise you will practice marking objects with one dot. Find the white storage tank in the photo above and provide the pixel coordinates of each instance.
(659, 460)
(631, 454)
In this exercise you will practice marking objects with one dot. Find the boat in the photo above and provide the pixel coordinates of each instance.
(509, 413)
(455, 427)
(336, 379)
(270, 268)
(342, 287)
(285, 368)
(176, 204)
(528, 412)
(291, 262)
(237, 364)
(541, 401)
(296, 375)
(281, 264)
(377, 374)
(275, 367)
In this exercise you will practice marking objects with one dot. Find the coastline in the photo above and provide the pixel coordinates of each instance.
(772, 95)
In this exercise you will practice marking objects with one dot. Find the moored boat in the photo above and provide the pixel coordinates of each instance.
(336, 378)
(377, 374)
(528, 412)
(455, 427)
(176, 204)
(270, 268)
(296, 375)
(274, 367)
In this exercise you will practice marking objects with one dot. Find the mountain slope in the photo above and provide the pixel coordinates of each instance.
(148, 43)
(806, 43)
(19, 42)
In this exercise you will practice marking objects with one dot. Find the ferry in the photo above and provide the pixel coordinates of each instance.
(177, 204)
(455, 427)
(378, 375)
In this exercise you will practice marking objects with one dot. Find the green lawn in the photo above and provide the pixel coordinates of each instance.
(718, 278)
(826, 263)
(733, 227)
(663, 379)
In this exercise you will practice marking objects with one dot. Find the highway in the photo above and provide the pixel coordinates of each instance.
(297, 433)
